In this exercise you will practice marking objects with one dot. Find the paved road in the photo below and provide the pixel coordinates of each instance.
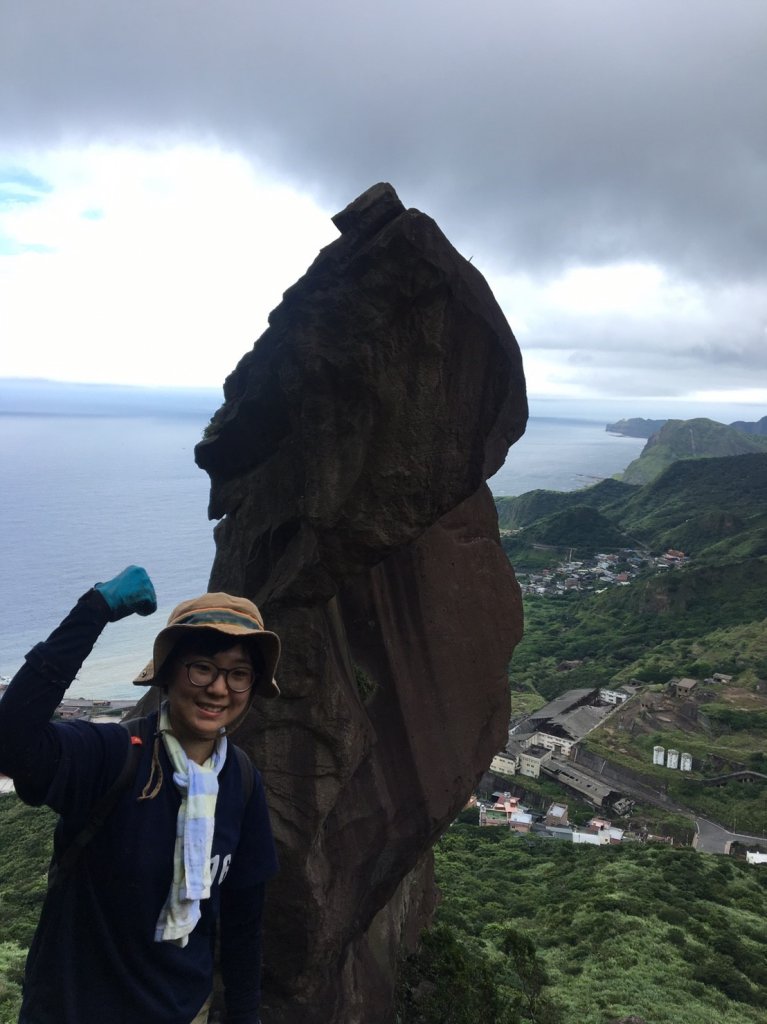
(713, 838)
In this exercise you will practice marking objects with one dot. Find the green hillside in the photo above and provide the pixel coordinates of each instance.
(697, 503)
(524, 509)
(26, 843)
(704, 616)
(563, 934)
(713, 509)
(616, 628)
(582, 529)
(752, 427)
(689, 439)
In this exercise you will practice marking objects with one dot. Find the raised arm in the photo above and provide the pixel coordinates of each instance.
(29, 746)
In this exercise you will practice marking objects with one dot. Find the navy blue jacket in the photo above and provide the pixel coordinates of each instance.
(93, 956)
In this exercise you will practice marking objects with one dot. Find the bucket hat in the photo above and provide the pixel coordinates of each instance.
(222, 613)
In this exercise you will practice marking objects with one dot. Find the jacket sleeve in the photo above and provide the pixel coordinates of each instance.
(29, 746)
(241, 914)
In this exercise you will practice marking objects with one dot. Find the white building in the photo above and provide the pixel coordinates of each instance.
(545, 739)
(613, 696)
(600, 838)
(756, 858)
(504, 764)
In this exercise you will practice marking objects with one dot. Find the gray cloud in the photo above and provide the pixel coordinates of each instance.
(541, 135)
(559, 132)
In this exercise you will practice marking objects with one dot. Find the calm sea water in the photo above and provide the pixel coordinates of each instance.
(81, 496)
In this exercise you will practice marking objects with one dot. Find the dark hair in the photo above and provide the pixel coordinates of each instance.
(208, 642)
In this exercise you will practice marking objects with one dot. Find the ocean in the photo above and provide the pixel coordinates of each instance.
(91, 483)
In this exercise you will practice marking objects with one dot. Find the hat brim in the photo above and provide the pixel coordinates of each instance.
(268, 644)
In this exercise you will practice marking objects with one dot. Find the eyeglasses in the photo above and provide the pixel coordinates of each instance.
(203, 673)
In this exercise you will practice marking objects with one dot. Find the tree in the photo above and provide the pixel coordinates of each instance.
(533, 1004)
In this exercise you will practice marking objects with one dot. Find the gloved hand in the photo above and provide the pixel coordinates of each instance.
(130, 591)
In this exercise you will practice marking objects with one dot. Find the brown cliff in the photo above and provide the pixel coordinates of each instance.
(347, 468)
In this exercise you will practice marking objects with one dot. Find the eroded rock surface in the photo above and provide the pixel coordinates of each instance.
(347, 467)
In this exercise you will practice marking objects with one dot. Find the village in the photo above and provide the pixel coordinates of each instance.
(508, 810)
(592, 575)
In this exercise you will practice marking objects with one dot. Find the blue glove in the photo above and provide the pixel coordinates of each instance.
(130, 591)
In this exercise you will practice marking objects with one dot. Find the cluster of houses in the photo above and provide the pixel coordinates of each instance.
(508, 811)
(597, 573)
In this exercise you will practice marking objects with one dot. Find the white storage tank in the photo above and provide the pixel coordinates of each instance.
(686, 762)
(658, 755)
(672, 759)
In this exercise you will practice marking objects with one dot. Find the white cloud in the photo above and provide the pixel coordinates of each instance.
(162, 266)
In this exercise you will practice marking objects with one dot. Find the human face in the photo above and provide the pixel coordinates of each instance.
(197, 713)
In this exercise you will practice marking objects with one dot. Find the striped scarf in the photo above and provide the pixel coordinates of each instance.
(198, 785)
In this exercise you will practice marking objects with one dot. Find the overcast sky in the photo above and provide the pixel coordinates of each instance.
(168, 168)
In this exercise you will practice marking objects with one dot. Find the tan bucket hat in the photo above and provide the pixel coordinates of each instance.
(235, 616)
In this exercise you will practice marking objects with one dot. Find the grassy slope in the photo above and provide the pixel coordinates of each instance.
(26, 841)
(674, 936)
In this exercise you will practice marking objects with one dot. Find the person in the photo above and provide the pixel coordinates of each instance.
(127, 932)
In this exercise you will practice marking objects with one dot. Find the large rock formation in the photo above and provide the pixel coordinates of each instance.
(347, 467)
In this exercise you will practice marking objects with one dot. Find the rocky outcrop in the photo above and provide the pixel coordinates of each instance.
(348, 467)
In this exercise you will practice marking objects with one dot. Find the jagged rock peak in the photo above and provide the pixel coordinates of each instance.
(348, 467)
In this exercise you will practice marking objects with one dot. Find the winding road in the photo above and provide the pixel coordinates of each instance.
(713, 838)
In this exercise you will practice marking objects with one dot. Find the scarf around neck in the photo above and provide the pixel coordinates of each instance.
(198, 785)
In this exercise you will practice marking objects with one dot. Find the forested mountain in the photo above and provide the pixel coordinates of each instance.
(713, 509)
(759, 427)
(689, 439)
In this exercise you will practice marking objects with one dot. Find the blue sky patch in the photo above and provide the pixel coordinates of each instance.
(12, 247)
(24, 179)
(20, 187)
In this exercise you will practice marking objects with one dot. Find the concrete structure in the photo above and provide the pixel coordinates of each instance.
(756, 858)
(520, 821)
(658, 755)
(613, 696)
(557, 815)
(672, 758)
(601, 838)
(567, 774)
(684, 687)
(686, 762)
(550, 742)
(504, 764)
(531, 760)
(561, 723)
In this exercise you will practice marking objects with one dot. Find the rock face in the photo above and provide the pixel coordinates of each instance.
(348, 467)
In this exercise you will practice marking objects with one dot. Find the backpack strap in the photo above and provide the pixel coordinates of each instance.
(137, 728)
(246, 772)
